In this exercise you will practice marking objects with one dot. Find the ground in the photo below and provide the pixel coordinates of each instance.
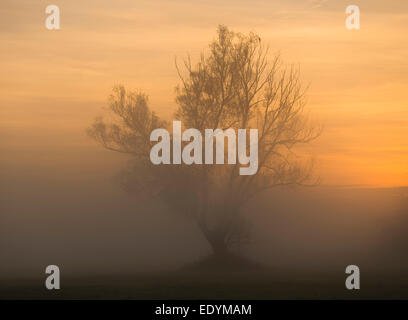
(213, 278)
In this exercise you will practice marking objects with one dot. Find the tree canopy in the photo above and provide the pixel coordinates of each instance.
(237, 84)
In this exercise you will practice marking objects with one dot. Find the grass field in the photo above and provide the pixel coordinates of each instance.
(234, 279)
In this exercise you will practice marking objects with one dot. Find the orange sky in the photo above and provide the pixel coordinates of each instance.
(53, 83)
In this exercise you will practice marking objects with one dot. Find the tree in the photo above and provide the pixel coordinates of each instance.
(236, 85)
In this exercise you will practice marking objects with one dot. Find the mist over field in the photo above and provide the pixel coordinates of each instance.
(63, 204)
(79, 219)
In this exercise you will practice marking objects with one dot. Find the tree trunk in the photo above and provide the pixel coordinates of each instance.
(218, 246)
(215, 239)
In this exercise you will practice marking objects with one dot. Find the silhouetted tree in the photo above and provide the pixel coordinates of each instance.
(235, 86)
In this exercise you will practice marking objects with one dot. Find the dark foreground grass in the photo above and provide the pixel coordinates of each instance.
(213, 278)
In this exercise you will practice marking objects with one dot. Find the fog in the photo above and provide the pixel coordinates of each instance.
(75, 215)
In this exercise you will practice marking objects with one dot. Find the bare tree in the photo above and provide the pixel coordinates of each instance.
(236, 85)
